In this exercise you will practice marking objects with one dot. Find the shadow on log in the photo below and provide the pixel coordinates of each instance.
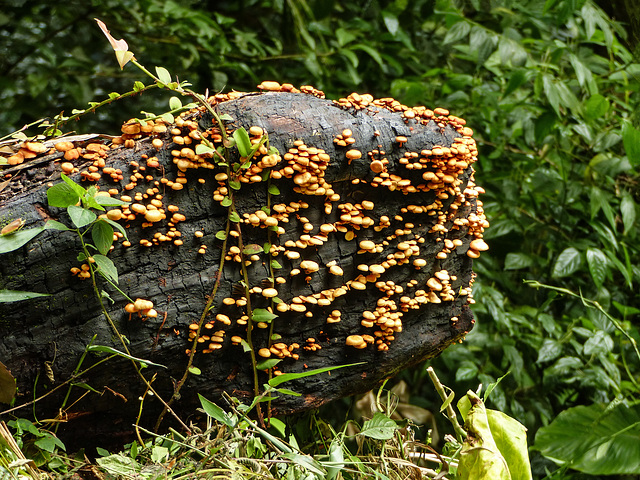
(357, 236)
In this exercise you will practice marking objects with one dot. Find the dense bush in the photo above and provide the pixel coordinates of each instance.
(550, 88)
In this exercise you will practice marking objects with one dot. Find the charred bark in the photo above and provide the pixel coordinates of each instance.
(434, 223)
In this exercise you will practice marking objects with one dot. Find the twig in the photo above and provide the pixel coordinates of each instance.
(451, 414)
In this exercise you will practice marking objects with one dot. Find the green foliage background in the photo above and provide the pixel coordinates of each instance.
(551, 89)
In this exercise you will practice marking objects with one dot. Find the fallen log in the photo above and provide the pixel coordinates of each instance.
(352, 245)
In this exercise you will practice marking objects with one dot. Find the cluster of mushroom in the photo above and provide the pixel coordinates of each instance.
(144, 308)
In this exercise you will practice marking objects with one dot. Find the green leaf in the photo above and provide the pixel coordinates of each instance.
(119, 465)
(517, 260)
(8, 296)
(215, 412)
(102, 235)
(457, 32)
(390, 21)
(480, 457)
(81, 217)
(234, 217)
(567, 263)
(379, 427)
(631, 142)
(9, 243)
(164, 75)
(262, 315)
(138, 86)
(596, 107)
(201, 149)
(117, 226)
(252, 249)
(286, 377)
(594, 439)
(106, 201)
(235, 184)
(517, 78)
(62, 195)
(221, 234)
(510, 437)
(175, 103)
(113, 351)
(55, 225)
(273, 190)
(106, 267)
(195, 370)
(598, 266)
(267, 363)
(49, 443)
(7, 385)
(549, 350)
(243, 142)
(275, 264)
(628, 212)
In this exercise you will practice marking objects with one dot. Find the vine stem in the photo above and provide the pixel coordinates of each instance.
(451, 414)
(194, 345)
(119, 335)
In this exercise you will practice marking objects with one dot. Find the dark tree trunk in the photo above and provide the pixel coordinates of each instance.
(54, 331)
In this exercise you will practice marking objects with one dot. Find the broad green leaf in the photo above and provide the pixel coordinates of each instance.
(600, 342)
(117, 226)
(221, 234)
(517, 78)
(195, 370)
(234, 217)
(467, 370)
(480, 457)
(336, 458)
(511, 439)
(517, 260)
(79, 189)
(631, 141)
(102, 235)
(552, 92)
(106, 267)
(286, 377)
(49, 443)
(390, 21)
(567, 263)
(62, 195)
(215, 412)
(594, 439)
(119, 465)
(8, 296)
(252, 249)
(226, 202)
(9, 243)
(81, 217)
(275, 264)
(598, 266)
(596, 107)
(262, 315)
(113, 351)
(549, 350)
(164, 75)
(457, 32)
(379, 427)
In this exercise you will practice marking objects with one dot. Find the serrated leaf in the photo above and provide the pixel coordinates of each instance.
(106, 267)
(8, 296)
(598, 266)
(9, 243)
(568, 262)
(81, 217)
(457, 32)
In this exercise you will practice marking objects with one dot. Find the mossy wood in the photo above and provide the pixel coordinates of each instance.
(409, 307)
